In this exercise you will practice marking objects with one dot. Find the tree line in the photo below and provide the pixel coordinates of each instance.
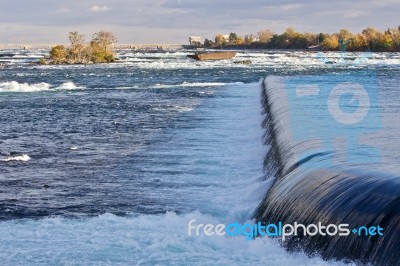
(99, 50)
(369, 39)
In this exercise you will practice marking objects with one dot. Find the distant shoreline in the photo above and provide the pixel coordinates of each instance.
(169, 47)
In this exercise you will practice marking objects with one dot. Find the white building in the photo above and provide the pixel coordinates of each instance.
(195, 40)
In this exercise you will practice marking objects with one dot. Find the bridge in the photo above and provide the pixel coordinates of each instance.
(136, 46)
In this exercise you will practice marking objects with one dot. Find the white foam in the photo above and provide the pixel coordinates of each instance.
(146, 239)
(183, 109)
(20, 158)
(196, 84)
(177, 60)
(14, 86)
(69, 85)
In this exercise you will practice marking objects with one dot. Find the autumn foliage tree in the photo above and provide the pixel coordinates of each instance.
(220, 40)
(58, 54)
(331, 42)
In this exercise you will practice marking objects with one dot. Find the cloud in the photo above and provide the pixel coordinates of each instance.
(291, 6)
(355, 14)
(385, 2)
(97, 8)
(63, 10)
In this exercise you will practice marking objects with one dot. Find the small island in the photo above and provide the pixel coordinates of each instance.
(99, 50)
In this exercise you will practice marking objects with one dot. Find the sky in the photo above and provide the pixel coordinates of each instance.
(172, 21)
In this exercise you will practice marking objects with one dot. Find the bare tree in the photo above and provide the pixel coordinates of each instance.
(77, 45)
(105, 40)
(265, 35)
(249, 38)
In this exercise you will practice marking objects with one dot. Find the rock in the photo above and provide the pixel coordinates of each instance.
(212, 56)
(244, 62)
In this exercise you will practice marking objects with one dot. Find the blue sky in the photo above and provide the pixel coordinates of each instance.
(171, 21)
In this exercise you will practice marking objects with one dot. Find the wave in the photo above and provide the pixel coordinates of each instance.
(307, 190)
(20, 158)
(197, 84)
(69, 86)
(14, 86)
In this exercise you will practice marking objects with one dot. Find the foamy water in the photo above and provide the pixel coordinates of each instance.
(21, 158)
(14, 86)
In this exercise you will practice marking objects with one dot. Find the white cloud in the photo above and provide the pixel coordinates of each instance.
(97, 8)
(355, 14)
(291, 6)
(63, 10)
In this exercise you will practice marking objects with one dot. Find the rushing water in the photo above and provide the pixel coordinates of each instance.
(106, 164)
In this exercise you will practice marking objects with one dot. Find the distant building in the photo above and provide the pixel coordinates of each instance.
(195, 40)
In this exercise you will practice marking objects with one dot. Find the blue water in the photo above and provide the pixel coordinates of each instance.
(106, 164)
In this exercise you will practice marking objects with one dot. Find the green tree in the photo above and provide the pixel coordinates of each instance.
(321, 37)
(370, 35)
(233, 38)
(208, 43)
(277, 41)
(395, 34)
